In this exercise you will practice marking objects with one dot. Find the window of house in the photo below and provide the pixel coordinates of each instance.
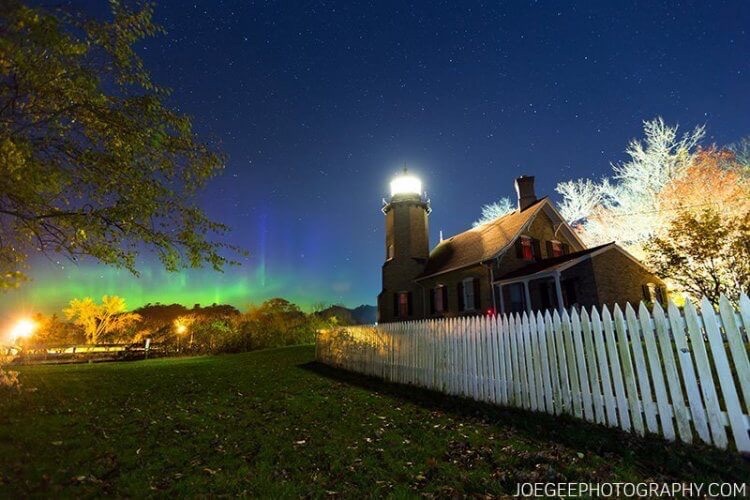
(468, 295)
(646, 292)
(403, 304)
(468, 289)
(440, 298)
(527, 248)
(556, 248)
(654, 293)
(661, 295)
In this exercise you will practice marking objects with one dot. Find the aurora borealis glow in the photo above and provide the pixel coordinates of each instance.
(53, 287)
(318, 105)
(155, 285)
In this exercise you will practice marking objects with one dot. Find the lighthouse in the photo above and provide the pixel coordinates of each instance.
(407, 248)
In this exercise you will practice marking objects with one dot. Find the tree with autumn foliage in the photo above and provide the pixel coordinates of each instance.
(714, 179)
(53, 331)
(101, 321)
(705, 253)
(671, 193)
(92, 161)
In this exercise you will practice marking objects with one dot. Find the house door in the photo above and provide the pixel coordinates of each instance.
(547, 295)
(570, 293)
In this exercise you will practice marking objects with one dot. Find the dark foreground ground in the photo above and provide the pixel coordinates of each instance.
(273, 423)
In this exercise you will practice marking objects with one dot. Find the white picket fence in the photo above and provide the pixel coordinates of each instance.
(673, 374)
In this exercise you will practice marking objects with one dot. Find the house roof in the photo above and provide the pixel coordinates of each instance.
(480, 243)
(555, 263)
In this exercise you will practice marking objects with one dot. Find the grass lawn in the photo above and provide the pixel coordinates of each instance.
(273, 423)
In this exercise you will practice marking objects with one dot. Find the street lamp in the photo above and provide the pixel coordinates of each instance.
(22, 329)
(181, 328)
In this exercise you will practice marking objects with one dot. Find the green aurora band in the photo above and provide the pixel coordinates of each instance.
(52, 287)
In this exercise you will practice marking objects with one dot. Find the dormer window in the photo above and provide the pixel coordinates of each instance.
(528, 248)
(556, 248)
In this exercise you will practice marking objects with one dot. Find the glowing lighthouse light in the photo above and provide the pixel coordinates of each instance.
(406, 184)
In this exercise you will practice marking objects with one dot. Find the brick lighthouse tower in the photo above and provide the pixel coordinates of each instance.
(407, 247)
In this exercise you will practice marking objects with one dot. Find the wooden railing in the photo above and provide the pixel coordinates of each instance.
(81, 353)
(680, 373)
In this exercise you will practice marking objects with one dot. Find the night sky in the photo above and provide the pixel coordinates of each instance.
(319, 104)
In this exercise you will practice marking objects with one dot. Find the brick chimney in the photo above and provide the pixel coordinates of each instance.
(525, 190)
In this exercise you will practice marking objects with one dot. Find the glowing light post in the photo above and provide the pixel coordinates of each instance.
(24, 328)
(181, 329)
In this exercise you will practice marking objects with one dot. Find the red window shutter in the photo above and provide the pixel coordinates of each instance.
(460, 289)
(477, 299)
(550, 251)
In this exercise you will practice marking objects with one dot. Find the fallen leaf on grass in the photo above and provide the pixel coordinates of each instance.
(90, 479)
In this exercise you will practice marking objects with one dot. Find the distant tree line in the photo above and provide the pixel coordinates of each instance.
(217, 328)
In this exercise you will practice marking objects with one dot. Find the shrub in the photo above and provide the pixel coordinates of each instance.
(9, 381)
